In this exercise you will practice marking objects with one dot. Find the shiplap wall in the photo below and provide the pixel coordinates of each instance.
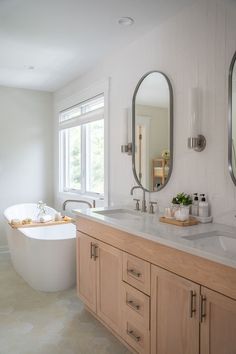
(194, 48)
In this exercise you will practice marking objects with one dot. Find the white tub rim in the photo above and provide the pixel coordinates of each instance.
(50, 209)
(42, 232)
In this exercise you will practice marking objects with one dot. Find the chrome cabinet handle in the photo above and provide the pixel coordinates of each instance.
(132, 304)
(134, 273)
(203, 307)
(133, 335)
(192, 303)
(95, 252)
(91, 250)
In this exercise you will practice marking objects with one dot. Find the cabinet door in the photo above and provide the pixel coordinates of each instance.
(86, 270)
(109, 278)
(174, 314)
(218, 326)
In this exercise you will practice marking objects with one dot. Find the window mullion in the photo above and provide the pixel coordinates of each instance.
(83, 158)
(66, 159)
(88, 157)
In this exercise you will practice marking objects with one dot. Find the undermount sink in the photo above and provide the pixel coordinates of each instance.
(221, 240)
(120, 214)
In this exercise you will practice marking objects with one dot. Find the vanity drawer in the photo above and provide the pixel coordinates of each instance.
(136, 305)
(136, 336)
(136, 272)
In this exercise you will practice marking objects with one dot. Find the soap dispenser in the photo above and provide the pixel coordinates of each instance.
(203, 206)
(195, 205)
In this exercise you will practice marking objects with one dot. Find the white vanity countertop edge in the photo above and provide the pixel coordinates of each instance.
(149, 227)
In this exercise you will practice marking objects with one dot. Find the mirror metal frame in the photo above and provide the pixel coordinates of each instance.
(170, 134)
(230, 103)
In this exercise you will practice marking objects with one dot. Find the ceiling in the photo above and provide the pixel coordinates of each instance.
(47, 43)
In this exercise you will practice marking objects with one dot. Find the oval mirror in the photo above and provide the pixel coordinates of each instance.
(232, 120)
(152, 131)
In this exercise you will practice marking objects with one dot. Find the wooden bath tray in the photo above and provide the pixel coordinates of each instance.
(192, 221)
(39, 224)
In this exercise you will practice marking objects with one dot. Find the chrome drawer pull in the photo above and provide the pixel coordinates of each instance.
(192, 303)
(203, 307)
(133, 305)
(134, 273)
(92, 250)
(95, 252)
(133, 335)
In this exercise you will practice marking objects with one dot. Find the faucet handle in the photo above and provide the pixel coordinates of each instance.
(151, 208)
(137, 204)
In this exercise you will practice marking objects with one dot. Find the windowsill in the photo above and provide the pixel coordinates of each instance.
(89, 197)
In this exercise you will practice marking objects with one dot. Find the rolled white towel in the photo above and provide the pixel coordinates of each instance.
(45, 218)
(15, 221)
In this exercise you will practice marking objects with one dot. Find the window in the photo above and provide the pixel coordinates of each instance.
(81, 130)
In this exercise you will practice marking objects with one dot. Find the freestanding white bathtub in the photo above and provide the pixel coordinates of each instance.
(43, 256)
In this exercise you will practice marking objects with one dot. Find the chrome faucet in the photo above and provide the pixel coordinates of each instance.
(144, 205)
(90, 205)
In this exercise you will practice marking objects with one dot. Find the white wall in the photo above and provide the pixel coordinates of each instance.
(26, 148)
(193, 48)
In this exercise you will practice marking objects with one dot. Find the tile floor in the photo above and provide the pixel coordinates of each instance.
(33, 322)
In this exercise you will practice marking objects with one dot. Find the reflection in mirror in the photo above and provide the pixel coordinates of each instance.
(152, 136)
(232, 119)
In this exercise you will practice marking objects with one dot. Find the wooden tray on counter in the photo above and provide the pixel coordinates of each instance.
(40, 224)
(190, 222)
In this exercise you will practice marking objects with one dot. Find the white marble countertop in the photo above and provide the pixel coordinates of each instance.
(219, 249)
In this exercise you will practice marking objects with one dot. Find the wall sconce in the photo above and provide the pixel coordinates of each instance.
(127, 147)
(196, 141)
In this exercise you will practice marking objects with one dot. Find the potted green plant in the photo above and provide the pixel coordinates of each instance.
(181, 203)
(182, 199)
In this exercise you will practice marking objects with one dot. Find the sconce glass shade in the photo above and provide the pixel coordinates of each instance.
(196, 141)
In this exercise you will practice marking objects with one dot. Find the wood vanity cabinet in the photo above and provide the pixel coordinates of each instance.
(189, 319)
(86, 271)
(153, 310)
(136, 303)
(99, 276)
(174, 315)
(218, 323)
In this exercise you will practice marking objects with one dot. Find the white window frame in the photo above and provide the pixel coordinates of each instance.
(92, 91)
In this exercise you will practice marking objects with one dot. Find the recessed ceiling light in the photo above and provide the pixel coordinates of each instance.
(126, 21)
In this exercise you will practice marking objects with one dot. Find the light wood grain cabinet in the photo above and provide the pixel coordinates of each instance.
(189, 319)
(99, 277)
(152, 309)
(109, 278)
(136, 272)
(218, 323)
(86, 271)
(174, 314)
(136, 318)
